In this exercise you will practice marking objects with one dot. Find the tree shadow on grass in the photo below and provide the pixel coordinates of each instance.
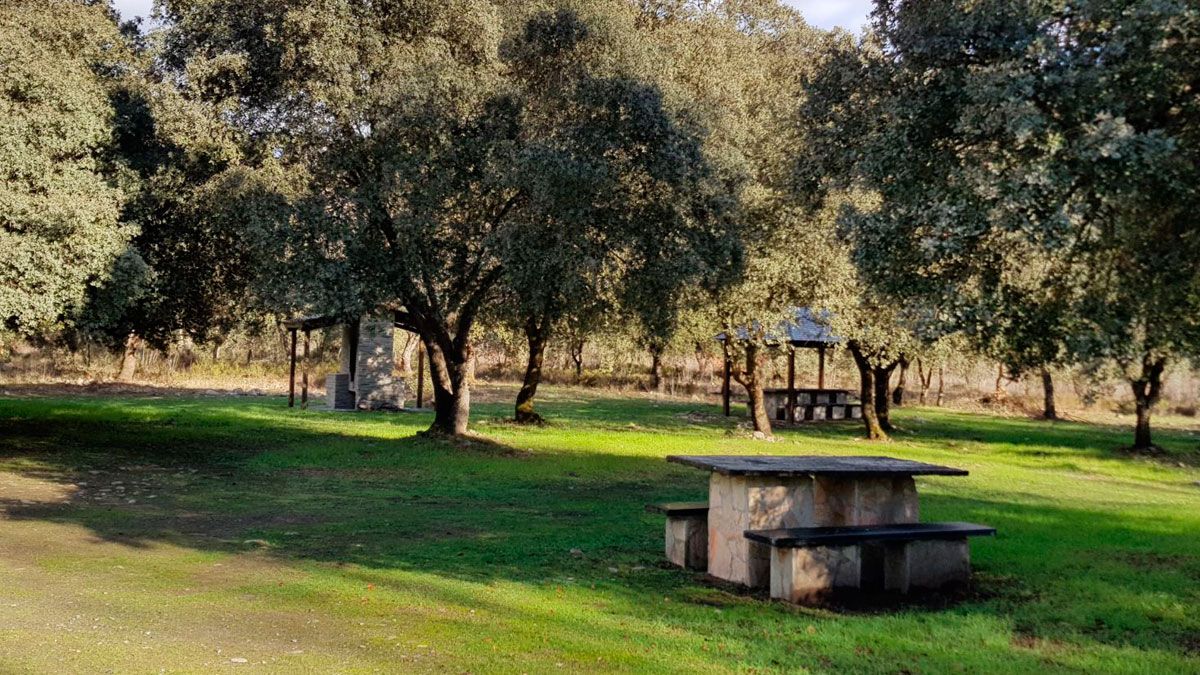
(221, 477)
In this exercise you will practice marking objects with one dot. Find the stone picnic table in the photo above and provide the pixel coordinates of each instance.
(771, 492)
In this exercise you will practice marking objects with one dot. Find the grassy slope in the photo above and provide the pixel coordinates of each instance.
(126, 530)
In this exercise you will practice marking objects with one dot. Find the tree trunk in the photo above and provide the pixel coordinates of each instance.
(129, 362)
(536, 335)
(883, 377)
(411, 344)
(1146, 391)
(577, 358)
(1049, 411)
(998, 392)
(941, 385)
(750, 378)
(658, 383)
(449, 372)
(924, 378)
(898, 392)
(866, 375)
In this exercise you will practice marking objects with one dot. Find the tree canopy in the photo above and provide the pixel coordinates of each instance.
(63, 188)
(1036, 164)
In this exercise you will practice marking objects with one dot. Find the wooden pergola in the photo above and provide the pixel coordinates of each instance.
(307, 324)
(807, 330)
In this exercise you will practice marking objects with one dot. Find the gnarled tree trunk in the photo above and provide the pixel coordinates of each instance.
(129, 362)
(867, 390)
(658, 382)
(882, 378)
(924, 378)
(577, 358)
(1049, 411)
(1147, 389)
(537, 333)
(411, 343)
(450, 374)
(898, 392)
(750, 377)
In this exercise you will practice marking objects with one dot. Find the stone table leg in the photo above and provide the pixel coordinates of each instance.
(927, 565)
(872, 500)
(740, 503)
(812, 573)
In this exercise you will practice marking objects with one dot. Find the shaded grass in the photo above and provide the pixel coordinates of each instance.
(196, 531)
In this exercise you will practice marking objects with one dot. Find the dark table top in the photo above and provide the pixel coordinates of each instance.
(800, 465)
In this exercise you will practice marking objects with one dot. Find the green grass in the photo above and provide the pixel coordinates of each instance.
(140, 534)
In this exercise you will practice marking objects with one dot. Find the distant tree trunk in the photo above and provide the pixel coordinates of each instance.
(898, 392)
(866, 374)
(883, 377)
(941, 385)
(129, 362)
(411, 343)
(924, 378)
(537, 333)
(998, 392)
(577, 358)
(249, 355)
(750, 377)
(658, 383)
(1146, 391)
(1049, 411)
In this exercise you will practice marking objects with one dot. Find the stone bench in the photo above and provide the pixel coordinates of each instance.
(686, 533)
(809, 563)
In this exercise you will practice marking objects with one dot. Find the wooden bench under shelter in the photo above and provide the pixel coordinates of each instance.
(810, 563)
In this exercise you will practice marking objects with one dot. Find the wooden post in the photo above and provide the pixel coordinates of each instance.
(304, 376)
(791, 392)
(821, 367)
(421, 375)
(292, 373)
(725, 385)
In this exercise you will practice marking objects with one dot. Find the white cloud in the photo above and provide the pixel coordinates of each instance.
(132, 8)
(848, 14)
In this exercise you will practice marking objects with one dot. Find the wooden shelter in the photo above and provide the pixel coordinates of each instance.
(807, 330)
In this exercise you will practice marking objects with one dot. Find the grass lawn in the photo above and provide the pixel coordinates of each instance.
(200, 534)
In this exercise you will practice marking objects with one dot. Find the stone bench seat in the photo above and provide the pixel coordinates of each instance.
(686, 536)
(810, 563)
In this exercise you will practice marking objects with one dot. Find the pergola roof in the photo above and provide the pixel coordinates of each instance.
(311, 322)
(808, 329)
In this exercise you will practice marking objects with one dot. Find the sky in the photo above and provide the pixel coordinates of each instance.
(849, 14)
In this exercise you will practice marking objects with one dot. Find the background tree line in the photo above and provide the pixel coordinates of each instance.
(1013, 179)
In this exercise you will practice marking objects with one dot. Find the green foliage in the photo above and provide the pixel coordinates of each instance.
(1036, 165)
(60, 197)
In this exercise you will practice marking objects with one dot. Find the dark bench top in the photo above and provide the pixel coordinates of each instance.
(679, 508)
(800, 465)
(816, 536)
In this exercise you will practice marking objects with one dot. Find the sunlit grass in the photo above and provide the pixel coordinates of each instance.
(333, 541)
